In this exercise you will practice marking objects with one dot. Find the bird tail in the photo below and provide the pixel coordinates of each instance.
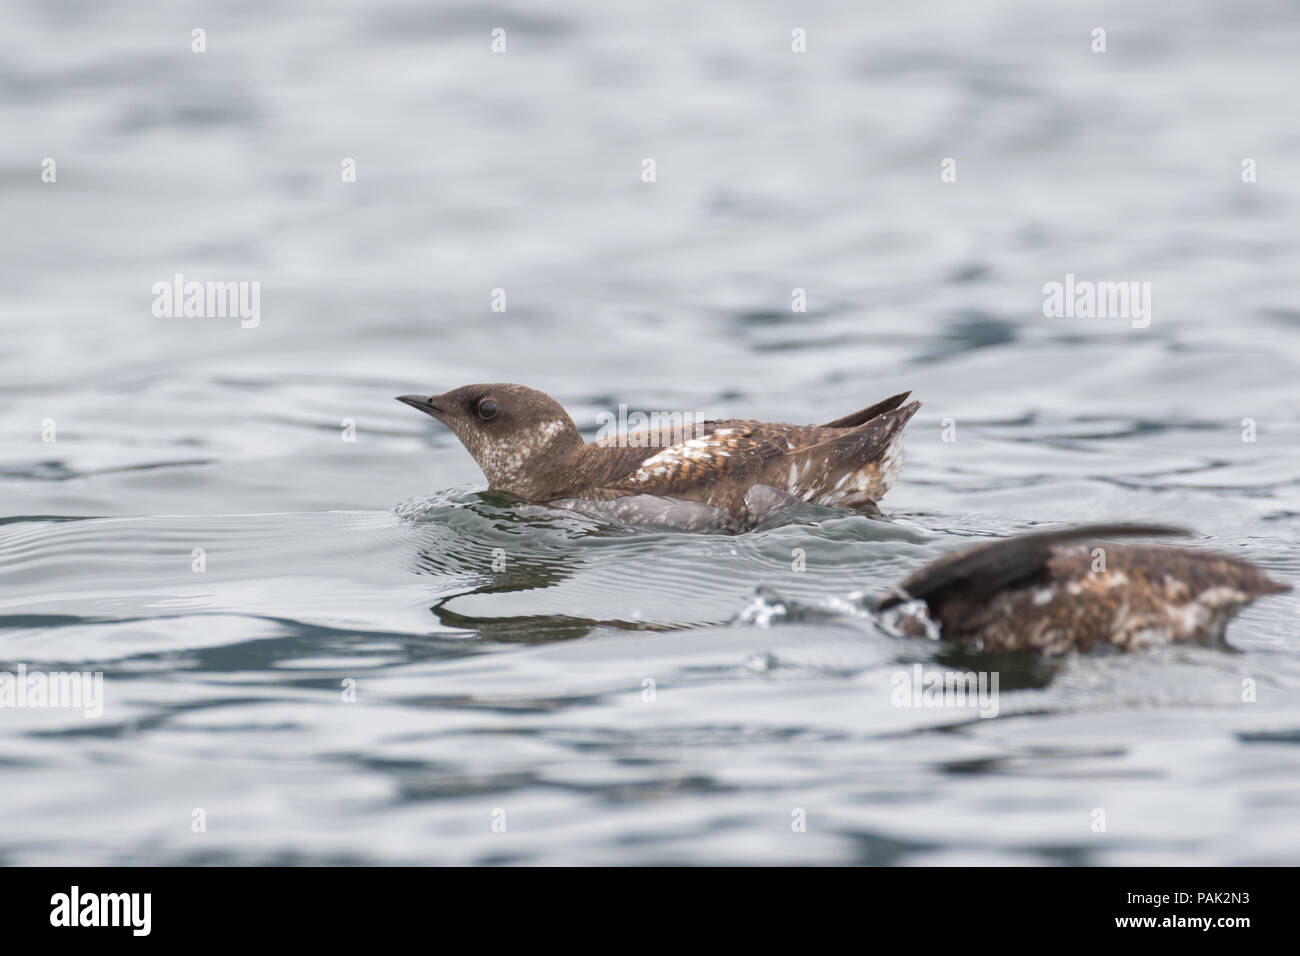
(876, 438)
(856, 467)
(866, 414)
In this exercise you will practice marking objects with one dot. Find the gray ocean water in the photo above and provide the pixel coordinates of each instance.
(615, 696)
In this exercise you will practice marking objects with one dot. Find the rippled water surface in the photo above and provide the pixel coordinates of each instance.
(618, 695)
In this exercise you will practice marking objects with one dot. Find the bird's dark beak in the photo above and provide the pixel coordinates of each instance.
(423, 403)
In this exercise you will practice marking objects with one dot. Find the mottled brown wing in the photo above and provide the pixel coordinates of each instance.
(723, 454)
(1192, 573)
(782, 434)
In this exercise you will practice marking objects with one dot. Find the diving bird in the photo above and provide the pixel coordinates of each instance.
(528, 445)
(1058, 591)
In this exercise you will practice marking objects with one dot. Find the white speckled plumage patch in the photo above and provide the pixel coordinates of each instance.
(667, 461)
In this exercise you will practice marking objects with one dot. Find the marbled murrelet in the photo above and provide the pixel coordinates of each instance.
(528, 445)
(1060, 591)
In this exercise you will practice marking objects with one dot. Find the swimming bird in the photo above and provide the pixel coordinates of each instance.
(1058, 591)
(528, 445)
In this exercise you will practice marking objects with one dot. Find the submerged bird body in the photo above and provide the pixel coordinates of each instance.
(1069, 590)
(528, 445)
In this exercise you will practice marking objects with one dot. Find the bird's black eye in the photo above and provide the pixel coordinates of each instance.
(488, 409)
